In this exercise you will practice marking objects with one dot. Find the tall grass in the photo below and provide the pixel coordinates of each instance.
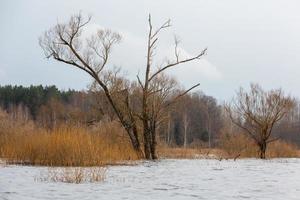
(22, 142)
(67, 146)
(188, 153)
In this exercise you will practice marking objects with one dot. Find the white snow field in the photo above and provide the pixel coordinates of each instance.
(166, 179)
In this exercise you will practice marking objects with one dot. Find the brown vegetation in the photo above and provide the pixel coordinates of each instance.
(241, 146)
(24, 142)
(74, 175)
(190, 153)
(67, 146)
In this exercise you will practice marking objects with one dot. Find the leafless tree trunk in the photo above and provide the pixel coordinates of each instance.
(257, 111)
(185, 127)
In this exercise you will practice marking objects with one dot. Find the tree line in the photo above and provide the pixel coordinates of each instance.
(196, 117)
(196, 120)
(32, 97)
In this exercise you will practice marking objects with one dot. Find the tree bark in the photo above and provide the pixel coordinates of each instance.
(147, 144)
(153, 142)
(263, 148)
(135, 143)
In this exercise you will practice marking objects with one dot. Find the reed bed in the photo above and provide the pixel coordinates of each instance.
(67, 146)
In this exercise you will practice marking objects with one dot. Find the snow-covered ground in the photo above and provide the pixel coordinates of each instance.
(166, 179)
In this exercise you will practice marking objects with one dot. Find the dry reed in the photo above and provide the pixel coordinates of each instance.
(67, 146)
(188, 153)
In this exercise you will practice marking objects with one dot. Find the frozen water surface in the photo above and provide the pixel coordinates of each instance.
(166, 179)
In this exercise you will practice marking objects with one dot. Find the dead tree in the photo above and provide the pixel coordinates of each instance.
(149, 120)
(257, 111)
(64, 43)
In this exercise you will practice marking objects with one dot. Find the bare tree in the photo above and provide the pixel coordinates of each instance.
(64, 43)
(257, 111)
(149, 121)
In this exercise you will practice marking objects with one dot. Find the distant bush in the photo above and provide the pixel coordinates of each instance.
(240, 145)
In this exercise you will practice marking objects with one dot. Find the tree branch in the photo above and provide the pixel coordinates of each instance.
(181, 95)
(177, 63)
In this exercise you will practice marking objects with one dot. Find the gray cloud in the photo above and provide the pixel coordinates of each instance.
(248, 41)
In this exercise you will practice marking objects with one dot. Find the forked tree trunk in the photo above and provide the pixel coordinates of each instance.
(153, 148)
(262, 149)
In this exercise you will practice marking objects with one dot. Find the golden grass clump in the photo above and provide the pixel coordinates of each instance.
(188, 153)
(282, 149)
(237, 145)
(67, 146)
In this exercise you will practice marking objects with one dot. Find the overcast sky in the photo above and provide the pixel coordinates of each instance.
(248, 41)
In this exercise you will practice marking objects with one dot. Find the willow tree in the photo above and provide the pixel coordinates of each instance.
(257, 111)
(65, 43)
